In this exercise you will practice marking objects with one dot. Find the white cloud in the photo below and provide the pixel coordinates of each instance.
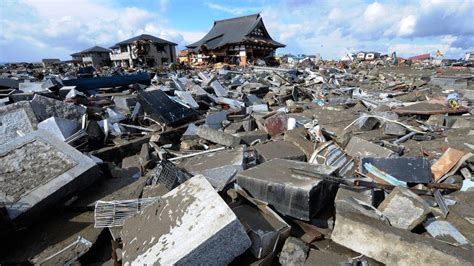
(65, 27)
(231, 10)
(407, 26)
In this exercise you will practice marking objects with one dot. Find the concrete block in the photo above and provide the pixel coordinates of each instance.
(59, 127)
(250, 136)
(278, 149)
(393, 246)
(275, 124)
(38, 170)
(190, 225)
(218, 137)
(132, 165)
(17, 117)
(219, 167)
(404, 209)
(45, 108)
(264, 227)
(288, 191)
(294, 252)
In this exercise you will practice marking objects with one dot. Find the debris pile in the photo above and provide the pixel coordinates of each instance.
(314, 163)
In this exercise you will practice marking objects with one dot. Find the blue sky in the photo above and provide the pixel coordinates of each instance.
(34, 29)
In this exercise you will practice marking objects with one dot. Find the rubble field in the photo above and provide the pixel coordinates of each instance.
(316, 163)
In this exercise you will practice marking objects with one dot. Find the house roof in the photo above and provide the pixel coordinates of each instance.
(234, 30)
(420, 57)
(95, 49)
(144, 37)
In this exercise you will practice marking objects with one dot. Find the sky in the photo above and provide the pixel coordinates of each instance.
(34, 29)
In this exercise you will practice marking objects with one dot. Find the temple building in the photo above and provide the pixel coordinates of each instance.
(237, 40)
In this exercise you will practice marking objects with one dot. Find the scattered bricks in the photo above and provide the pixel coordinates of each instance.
(218, 167)
(275, 124)
(280, 183)
(294, 252)
(160, 234)
(38, 170)
(278, 149)
(252, 136)
(404, 209)
(45, 107)
(393, 246)
(16, 118)
(297, 137)
(218, 137)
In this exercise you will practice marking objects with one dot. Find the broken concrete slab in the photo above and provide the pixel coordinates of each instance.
(294, 252)
(192, 209)
(39, 170)
(59, 127)
(359, 148)
(218, 167)
(297, 137)
(393, 246)
(288, 191)
(218, 137)
(404, 209)
(278, 149)
(15, 119)
(45, 108)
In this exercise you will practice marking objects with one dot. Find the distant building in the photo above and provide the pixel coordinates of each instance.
(420, 58)
(143, 50)
(469, 56)
(237, 40)
(367, 56)
(50, 61)
(95, 56)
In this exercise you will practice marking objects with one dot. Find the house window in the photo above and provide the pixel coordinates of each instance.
(160, 47)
